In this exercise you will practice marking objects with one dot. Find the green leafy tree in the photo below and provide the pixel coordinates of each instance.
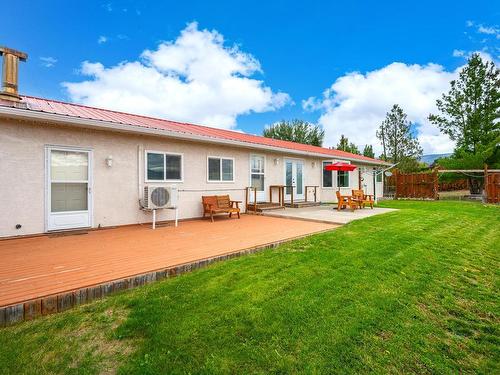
(347, 146)
(368, 151)
(296, 131)
(398, 143)
(469, 115)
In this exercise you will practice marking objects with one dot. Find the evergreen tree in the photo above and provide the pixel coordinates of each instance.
(347, 146)
(296, 131)
(368, 151)
(398, 143)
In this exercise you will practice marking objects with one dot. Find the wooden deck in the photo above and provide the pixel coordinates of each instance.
(42, 266)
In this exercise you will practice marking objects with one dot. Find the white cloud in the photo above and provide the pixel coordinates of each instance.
(485, 29)
(458, 53)
(102, 39)
(48, 61)
(356, 103)
(195, 78)
(488, 30)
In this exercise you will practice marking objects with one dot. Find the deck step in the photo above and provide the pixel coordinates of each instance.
(302, 204)
(264, 206)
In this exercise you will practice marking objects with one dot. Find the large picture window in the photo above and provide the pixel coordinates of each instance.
(220, 169)
(162, 166)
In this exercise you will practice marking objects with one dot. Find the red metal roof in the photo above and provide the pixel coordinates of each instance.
(99, 114)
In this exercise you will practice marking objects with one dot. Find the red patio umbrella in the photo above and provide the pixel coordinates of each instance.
(339, 166)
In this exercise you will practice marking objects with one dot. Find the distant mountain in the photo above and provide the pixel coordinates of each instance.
(429, 159)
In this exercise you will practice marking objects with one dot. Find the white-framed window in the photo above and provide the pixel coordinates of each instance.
(343, 179)
(379, 175)
(220, 169)
(163, 166)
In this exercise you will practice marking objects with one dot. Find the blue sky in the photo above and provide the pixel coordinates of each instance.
(298, 49)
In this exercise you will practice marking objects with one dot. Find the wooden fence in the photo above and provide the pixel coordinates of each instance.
(462, 184)
(414, 185)
(427, 185)
(492, 187)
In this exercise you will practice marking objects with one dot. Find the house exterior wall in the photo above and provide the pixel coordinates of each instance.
(117, 189)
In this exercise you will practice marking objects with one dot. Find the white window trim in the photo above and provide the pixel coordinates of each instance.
(164, 166)
(221, 181)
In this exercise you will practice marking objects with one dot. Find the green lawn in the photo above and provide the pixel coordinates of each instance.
(412, 291)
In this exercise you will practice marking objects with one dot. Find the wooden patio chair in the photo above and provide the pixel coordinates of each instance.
(362, 199)
(219, 204)
(344, 201)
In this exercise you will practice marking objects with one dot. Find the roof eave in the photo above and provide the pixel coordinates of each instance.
(24, 114)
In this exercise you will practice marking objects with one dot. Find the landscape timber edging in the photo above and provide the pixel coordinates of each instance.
(55, 303)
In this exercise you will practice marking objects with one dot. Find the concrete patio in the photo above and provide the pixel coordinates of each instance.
(327, 214)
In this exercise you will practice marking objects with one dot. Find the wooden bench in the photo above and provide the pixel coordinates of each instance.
(362, 199)
(219, 204)
(344, 201)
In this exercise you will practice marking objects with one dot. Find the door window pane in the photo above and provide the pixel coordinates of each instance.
(299, 178)
(327, 175)
(213, 169)
(289, 177)
(227, 169)
(257, 172)
(258, 181)
(173, 165)
(257, 164)
(68, 197)
(69, 166)
(155, 166)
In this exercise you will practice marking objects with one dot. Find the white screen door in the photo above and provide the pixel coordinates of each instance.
(257, 177)
(69, 193)
(294, 179)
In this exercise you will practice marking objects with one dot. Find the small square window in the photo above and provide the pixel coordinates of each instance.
(220, 169)
(163, 167)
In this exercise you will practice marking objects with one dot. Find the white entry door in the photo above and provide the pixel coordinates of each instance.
(294, 179)
(69, 188)
(257, 177)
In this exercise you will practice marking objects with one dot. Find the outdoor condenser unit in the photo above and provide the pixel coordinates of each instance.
(156, 197)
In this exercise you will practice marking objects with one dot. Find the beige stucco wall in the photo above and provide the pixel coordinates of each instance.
(117, 189)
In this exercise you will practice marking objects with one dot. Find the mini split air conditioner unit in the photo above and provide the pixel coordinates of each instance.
(156, 197)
